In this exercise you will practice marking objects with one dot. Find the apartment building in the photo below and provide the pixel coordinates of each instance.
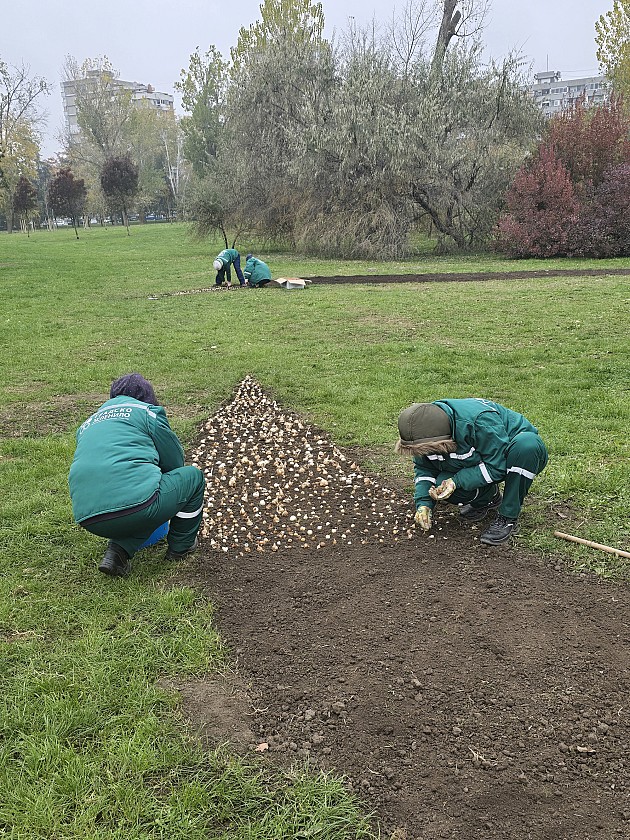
(140, 93)
(552, 93)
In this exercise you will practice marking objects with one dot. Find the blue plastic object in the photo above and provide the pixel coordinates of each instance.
(156, 536)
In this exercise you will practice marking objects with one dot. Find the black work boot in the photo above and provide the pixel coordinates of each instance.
(475, 514)
(171, 554)
(500, 531)
(115, 561)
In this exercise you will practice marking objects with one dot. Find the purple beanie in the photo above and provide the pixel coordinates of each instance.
(133, 385)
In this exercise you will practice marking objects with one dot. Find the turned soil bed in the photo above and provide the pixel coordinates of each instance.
(463, 691)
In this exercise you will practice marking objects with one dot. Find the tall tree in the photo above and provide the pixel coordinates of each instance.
(66, 196)
(176, 169)
(119, 181)
(280, 20)
(251, 110)
(203, 87)
(613, 46)
(19, 123)
(104, 109)
(459, 19)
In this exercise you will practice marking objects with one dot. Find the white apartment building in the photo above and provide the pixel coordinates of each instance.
(140, 93)
(552, 93)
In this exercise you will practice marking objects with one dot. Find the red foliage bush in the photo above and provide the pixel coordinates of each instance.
(542, 209)
(573, 196)
(589, 141)
(611, 211)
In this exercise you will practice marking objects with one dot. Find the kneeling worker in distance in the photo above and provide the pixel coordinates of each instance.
(462, 450)
(257, 272)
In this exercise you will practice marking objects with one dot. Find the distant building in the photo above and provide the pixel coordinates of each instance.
(553, 94)
(140, 93)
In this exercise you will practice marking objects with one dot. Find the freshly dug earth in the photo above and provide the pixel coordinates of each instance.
(384, 279)
(464, 691)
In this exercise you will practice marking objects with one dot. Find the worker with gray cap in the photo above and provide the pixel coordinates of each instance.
(222, 263)
(462, 450)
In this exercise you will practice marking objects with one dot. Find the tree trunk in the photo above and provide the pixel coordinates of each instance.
(448, 30)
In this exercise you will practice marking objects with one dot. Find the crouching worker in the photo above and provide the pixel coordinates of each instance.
(128, 477)
(256, 272)
(222, 263)
(462, 450)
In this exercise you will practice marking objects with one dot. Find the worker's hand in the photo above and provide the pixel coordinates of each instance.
(423, 517)
(443, 490)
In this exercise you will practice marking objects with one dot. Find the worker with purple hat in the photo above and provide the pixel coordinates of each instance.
(462, 451)
(128, 477)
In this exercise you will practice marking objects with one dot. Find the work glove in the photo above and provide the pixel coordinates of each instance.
(423, 517)
(443, 491)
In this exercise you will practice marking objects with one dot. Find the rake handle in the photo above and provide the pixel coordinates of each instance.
(616, 551)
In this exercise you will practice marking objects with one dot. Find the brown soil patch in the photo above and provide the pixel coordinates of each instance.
(218, 710)
(462, 277)
(382, 279)
(464, 691)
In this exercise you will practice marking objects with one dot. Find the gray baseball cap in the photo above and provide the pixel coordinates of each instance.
(423, 423)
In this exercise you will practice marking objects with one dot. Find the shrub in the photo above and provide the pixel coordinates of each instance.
(542, 209)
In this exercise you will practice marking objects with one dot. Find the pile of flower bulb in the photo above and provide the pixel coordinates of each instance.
(273, 481)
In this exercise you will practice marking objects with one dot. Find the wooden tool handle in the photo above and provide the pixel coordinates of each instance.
(616, 551)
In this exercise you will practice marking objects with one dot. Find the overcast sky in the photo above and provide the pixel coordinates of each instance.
(151, 42)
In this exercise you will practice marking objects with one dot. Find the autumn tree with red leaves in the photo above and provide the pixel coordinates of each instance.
(24, 201)
(66, 196)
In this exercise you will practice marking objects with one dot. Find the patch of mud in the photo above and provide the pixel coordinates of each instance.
(217, 710)
(463, 277)
(443, 277)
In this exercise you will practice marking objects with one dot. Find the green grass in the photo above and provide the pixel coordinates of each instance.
(89, 746)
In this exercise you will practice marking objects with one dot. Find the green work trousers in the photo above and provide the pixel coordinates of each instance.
(179, 501)
(526, 456)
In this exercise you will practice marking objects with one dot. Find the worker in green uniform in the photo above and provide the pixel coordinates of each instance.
(462, 451)
(256, 272)
(223, 262)
(128, 477)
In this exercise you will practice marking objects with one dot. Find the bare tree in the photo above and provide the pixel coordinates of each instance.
(104, 109)
(409, 31)
(464, 22)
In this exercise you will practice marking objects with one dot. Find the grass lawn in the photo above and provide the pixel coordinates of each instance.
(90, 745)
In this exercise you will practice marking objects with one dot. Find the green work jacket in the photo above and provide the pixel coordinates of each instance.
(255, 271)
(482, 431)
(228, 256)
(122, 451)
